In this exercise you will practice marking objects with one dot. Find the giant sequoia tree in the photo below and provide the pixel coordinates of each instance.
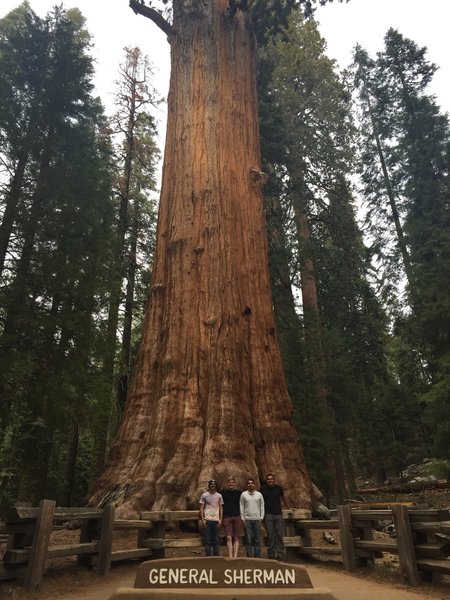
(208, 395)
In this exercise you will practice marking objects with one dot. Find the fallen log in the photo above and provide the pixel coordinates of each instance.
(404, 488)
(375, 505)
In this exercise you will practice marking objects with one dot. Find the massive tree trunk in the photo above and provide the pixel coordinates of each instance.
(313, 335)
(208, 396)
(125, 364)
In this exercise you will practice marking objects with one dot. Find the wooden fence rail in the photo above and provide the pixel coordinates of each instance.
(422, 538)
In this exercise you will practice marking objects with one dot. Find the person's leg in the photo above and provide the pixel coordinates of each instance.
(249, 537)
(270, 528)
(208, 539)
(228, 528)
(236, 523)
(215, 538)
(279, 533)
(257, 538)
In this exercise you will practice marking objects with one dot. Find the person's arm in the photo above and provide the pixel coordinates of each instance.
(283, 500)
(262, 507)
(241, 506)
(221, 510)
(285, 503)
(202, 511)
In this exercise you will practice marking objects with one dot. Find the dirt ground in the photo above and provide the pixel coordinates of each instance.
(85, 585)
(64, 580)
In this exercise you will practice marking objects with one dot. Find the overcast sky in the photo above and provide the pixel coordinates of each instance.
(367, 21)
(113, 25)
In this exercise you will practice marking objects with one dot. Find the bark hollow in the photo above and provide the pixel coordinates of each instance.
(208, 396)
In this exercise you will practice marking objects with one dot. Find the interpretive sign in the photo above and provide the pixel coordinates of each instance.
(220, 572)
(225, 578)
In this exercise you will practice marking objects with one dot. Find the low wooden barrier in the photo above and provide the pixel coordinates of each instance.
(28, 531)
(422, 538)
(420, 541)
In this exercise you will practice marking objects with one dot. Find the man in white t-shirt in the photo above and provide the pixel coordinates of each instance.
(211, 511)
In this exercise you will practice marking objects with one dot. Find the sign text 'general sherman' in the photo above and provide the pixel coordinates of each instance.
(234, 577)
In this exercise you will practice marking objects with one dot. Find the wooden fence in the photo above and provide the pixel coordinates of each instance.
(421, 542)
(422, 538)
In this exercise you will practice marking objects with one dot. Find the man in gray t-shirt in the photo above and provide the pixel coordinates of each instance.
(252, 513)
(211, 511)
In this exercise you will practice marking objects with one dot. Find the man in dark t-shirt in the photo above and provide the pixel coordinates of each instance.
(231, 516)
(273, 496)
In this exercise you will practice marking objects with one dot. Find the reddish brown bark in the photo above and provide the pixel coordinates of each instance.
(208, 396)
(311, 309)
(313, 335)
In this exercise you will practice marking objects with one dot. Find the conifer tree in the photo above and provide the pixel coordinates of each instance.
(300, 87)
(136, 153)
(56, 278)
(416, 143)
(208, 393)
(381, 175)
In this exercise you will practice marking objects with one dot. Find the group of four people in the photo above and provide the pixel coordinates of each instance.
(231, 507)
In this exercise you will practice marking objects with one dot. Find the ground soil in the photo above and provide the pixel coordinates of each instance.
(73, 584)
(65, 580)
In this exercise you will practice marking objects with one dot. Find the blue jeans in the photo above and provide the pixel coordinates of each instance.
(212, 545)
(253, 537)
(274, 526)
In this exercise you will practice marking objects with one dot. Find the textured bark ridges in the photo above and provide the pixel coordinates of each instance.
(209, 396)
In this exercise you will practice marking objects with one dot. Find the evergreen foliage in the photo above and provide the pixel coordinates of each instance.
(406, 185)
(58, 232)
(133, 129)
(298, 84)
(347, 358)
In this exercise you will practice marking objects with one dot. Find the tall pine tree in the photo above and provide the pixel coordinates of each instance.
(58, 252)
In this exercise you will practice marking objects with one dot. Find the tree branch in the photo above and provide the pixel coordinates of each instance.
(152, 14)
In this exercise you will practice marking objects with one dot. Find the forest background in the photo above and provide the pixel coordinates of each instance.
(359, 250)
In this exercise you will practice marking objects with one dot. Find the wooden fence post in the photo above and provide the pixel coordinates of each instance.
(345, 530)
(41, 539)
(19, 540)
(106, 539)
(405, 543)
(90, 530)
(159, 533)
(289, 531)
